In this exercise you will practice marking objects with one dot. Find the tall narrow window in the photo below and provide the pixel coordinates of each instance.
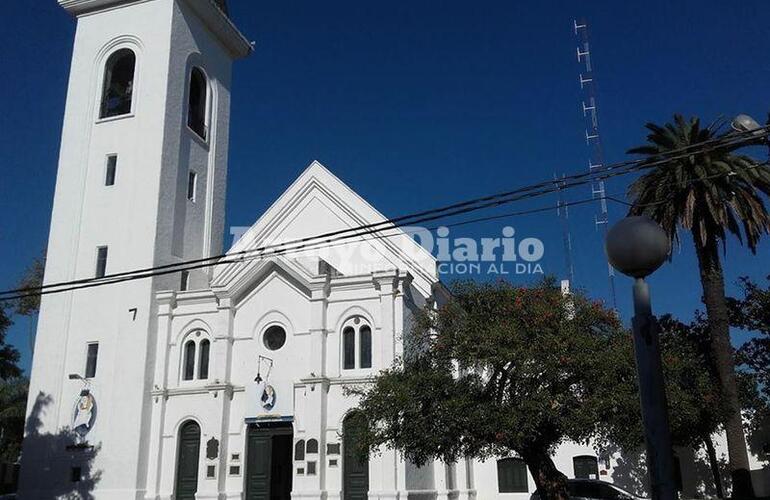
(349, 348)
(356, 344)
(189, 360)
(101, 262)
(112, 165)
(192, 184)
(203, 360)
(184, 284)
(196, 112)
(118, 87)
(91, 357)
(365, 346)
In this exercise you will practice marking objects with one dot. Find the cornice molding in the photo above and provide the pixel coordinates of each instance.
(208, 11)
(80, 7)
(222, 26)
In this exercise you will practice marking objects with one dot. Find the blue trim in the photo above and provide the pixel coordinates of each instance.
(269, 418)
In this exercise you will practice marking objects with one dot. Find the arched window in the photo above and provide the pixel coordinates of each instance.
(118, 88)
(312, 446)
(586, 467)
(512, 476)
(365, 346)
(349, 347)
(189, 360)
(299, 450)
(356, 344)
(195, 356)
(203, 359)
(196, 105)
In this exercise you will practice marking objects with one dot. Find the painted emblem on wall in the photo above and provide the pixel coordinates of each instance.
(84, 413)
(265, 395)
(265, 392)
(268, 397)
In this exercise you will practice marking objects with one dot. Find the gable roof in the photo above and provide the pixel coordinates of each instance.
(318, 203)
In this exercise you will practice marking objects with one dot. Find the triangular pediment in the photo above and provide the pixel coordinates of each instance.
(318, 203)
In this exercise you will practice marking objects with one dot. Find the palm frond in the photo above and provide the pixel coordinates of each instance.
(710, 193)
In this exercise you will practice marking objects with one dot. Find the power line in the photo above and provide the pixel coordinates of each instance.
(319, 245)
(622, 168)
(610, 171)
(525, 192)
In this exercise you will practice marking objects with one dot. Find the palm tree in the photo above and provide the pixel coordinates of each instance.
(711, 194)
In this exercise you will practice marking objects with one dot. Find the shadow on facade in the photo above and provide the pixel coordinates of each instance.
(55, 465)
(758, 439)
(696, 481)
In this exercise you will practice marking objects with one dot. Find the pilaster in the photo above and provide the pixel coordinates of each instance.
(166, 303)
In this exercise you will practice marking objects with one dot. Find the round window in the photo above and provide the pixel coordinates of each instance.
(275, 337)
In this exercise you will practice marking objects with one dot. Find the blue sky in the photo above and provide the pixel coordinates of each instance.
(416, 106)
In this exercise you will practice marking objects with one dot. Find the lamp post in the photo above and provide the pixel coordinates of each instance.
(637, 246)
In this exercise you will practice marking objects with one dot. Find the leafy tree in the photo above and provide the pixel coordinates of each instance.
(498, 370)
(752, 312)
(9, 356)
(13, 402)
(695, 407)
(13, 387)
(33, 278)
(711, 193)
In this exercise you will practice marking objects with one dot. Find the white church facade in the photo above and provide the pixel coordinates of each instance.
(225, 381)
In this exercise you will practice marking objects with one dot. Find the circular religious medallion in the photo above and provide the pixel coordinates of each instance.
(268, 398)
(84, 413)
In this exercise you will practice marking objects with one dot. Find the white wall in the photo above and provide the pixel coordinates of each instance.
(134, 218)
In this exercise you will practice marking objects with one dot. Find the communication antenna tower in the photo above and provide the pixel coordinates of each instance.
(562, 210)
(593, 137)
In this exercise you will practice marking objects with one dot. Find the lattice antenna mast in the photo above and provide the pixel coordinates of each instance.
(562, 210)
(593, 137)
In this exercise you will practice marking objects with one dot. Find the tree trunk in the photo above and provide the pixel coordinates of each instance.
(723, 357)
(551, 484)
(712, 454)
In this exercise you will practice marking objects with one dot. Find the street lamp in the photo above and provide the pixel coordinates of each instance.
(637, 246)
(747, 125)
(744, 123)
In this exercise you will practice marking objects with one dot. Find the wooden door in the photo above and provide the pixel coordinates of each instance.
(269, 462)
(355, 472)
(187, 461)
(259, 450)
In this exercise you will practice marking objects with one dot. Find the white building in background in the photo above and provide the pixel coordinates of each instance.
(223, 382)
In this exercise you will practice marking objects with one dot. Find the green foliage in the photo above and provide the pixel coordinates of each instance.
(752, 313)
(13, 402)
(33, 278)
(692, 390)
(707, 192)
(9, 356)
(499, 369)
(711, 193)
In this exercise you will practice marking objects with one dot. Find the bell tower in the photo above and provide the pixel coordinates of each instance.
(141, 183)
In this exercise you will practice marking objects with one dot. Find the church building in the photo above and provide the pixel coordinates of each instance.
(224, 381)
